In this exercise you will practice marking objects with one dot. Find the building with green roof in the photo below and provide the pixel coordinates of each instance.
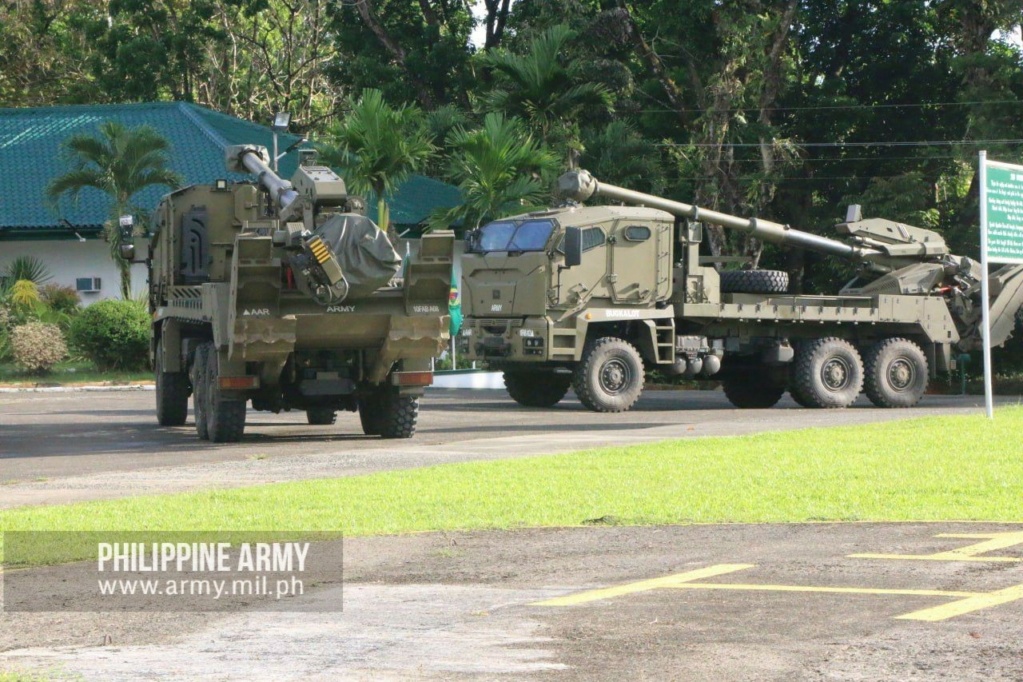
(68, 236)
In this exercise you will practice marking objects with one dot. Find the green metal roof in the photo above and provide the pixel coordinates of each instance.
(415, 199)
(31, 156)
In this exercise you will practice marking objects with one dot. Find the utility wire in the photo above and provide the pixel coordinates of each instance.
(925, 143)
(833, 107)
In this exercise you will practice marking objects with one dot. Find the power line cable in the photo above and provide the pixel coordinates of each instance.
(922, 143)
(843, 107)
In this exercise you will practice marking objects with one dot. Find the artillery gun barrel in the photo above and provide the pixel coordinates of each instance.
(580, 186)
(279, 189)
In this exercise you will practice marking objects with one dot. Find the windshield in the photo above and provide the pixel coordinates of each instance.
(508, 235)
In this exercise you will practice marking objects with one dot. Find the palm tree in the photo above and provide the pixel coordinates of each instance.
(499, 168)
(539, 87)
(121, 162)
(378, 146)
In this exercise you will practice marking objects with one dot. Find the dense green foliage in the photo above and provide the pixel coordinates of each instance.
(34, 318)
(114, 334)
(787, 109)
(378, 146)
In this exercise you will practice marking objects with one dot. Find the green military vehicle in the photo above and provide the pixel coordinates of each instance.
(284, 294)
(594, 296)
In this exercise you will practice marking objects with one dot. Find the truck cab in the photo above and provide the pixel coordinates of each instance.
(538, 287)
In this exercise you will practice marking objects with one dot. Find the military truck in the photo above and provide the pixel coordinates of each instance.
(286, 295)
(592, 297)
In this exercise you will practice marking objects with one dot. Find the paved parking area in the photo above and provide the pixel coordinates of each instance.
(858, 601)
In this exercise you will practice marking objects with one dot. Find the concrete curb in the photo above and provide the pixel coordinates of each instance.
(79, 389)
(443, 379)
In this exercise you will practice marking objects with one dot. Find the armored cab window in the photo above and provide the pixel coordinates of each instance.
(592, 238)
(637, 233)
(507, 235)
(495, 236)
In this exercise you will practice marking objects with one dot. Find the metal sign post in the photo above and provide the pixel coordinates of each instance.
(1001, 239)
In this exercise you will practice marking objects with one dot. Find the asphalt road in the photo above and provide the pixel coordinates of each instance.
(709, 603)
(73, 446)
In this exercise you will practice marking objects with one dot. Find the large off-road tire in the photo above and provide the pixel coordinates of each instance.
(794, 394)
(200, 385)
(536, 389)
(369, 416)
(389, 415)
(225, 417)
(171, 393)
(610, 376)
(896, 373)
(321, 416)
(827, 373)
(754, 282)
(753, 390)
(398, 415)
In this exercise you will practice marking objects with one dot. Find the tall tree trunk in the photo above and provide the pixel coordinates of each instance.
(395, 49)
(654, 64)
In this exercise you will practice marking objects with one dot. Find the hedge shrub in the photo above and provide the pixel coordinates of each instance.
(37, 346)
(61, 299)
(113, 334)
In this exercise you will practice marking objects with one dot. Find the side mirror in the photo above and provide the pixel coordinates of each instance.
(126, 249)
(573, 246)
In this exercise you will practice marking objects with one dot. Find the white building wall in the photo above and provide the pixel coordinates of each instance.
(69, 260)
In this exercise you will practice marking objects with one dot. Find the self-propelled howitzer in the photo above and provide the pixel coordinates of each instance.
(593, 296)
(286, 295)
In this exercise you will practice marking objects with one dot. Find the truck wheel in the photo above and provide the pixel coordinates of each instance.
(536, 389)
(225, 419)
(171, 393)
(369, 415)
(398, 415)
(896, 373)
(200, 389)
(754, 282)
(321, 416)
(827, 373)
(753, 391)
(610, 376)
(794, 394)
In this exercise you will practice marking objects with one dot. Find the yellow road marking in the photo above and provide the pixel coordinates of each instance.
(643, 585)
(965, 602)
(968, 605)
(943, 556)
(993, 542)
(832, 590)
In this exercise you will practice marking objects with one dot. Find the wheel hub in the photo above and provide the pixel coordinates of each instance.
(835, 374)
(614, 376)
(901, 374)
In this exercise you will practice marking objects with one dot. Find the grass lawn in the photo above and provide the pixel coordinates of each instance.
(932, 468)
(68, 374)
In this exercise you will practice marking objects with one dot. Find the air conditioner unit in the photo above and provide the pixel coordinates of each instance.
(88, 285)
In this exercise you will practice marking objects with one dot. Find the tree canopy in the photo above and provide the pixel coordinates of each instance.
(788, 109)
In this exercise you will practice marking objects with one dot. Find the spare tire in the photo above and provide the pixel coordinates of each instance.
(754, 282)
